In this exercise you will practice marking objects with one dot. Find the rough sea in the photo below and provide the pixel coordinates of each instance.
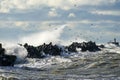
(100, 65)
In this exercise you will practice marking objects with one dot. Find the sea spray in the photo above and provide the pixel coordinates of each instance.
(16, 50)
(43, 37)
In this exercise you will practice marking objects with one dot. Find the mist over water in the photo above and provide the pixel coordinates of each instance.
(44, 37)
(47, 36)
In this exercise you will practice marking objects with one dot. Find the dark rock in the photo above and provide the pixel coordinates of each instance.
(42, 50)
(101, 46)
(49, 49)
(90, 46)
(72, 47)
(6, 60)
(2, 50)
(85, 46)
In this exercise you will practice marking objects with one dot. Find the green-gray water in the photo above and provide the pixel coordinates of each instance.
(79, 66)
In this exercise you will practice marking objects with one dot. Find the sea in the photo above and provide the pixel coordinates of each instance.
(100, 65)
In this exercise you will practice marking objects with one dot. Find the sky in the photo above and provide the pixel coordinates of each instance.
(38, 21)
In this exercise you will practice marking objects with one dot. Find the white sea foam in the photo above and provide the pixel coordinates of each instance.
(16, 50)
(112, 48)
(46, 62)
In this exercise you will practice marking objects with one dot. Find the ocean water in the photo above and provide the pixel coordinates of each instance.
(101, 65)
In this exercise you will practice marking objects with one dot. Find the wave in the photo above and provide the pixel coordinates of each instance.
(22, 53)
(87, 65)
(19, 51)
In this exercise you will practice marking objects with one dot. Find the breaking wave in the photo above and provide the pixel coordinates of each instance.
(19, 51)
(104, 64)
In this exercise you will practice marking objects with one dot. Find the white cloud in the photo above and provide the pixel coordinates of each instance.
(113, 34)
(71, 15)
(53, 13)
(21, 24)
(14, 24)
(102, 12)
(8, 5)
(44, 25)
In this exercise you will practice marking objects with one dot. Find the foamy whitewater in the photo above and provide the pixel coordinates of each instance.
(100, 65)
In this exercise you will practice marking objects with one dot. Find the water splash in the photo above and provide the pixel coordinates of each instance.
(43, 37)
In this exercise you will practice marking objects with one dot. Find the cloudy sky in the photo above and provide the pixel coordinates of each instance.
(32, 20)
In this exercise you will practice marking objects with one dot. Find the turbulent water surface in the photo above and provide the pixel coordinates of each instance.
(101, 65)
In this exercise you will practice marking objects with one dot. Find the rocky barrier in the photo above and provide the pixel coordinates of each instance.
(49, 49)
(85, 46)
(43, 50)
(6, 60)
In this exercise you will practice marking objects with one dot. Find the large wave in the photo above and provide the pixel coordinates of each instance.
(19, 51)
(43, 37)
